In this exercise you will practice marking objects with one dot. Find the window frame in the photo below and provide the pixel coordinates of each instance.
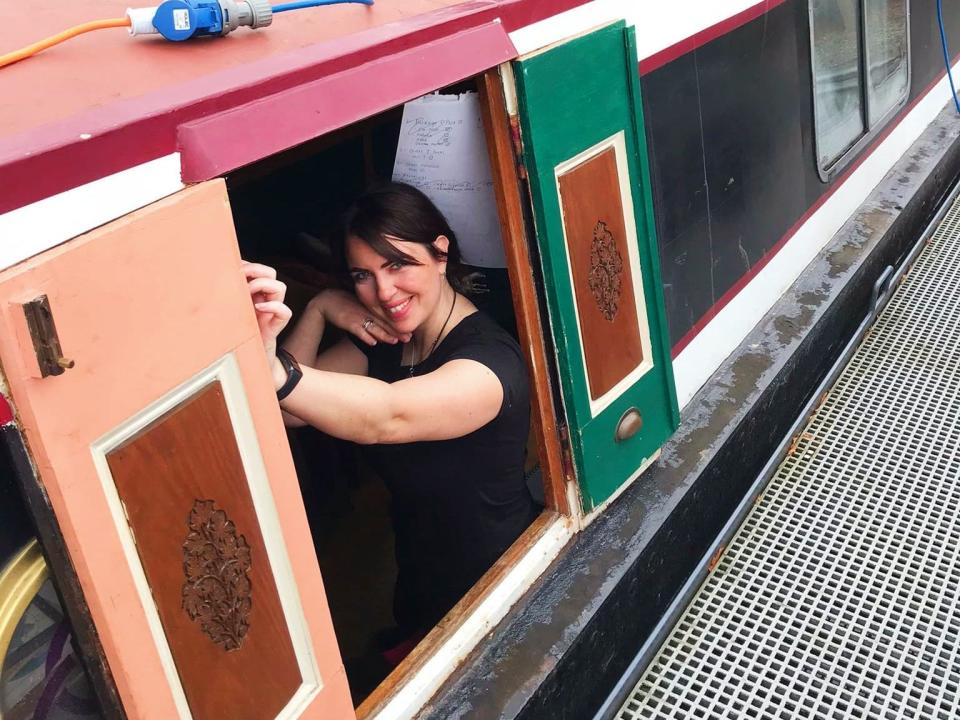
(414, 680)
(830, 171)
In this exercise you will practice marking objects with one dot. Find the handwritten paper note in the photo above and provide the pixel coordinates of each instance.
(443, 152)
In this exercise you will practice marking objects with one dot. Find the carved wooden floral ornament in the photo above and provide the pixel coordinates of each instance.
(216, 592)
(606, 271)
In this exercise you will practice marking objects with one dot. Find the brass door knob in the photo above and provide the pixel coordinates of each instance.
(630, 423)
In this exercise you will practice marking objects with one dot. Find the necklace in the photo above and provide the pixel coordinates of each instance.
(439, 335)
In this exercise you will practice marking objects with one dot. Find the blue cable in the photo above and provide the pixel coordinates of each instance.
(946, 55)
(314, 3)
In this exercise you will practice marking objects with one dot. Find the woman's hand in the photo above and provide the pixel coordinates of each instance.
(342, 309)
(267, 294)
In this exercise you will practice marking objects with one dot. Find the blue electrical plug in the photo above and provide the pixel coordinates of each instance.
(180, 20)
(183, 19)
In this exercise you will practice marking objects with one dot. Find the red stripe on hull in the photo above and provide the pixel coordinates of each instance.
(770, 254)
(661, 58)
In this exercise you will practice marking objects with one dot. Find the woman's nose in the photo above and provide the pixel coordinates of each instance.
(384, 289)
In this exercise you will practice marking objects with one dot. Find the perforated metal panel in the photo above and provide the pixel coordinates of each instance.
(838, 597)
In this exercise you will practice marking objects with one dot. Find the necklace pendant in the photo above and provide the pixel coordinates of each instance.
(436, 341)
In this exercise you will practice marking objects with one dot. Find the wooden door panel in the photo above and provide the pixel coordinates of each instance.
(182, 483)
(603, 279)
(584, 151)
(151, 309)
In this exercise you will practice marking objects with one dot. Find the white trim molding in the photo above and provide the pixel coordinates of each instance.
(568, 24)
(659, 25)
(39, 226)
(663, 24)
(712, 345)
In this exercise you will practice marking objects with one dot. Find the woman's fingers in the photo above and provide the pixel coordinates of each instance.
(257, 270)
(265, 289)
(348, 313)
(368, 337)
(378, 332)
(368, 331)
(272, 317)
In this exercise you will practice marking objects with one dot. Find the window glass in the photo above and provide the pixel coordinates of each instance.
(885, 31)
(837, 80)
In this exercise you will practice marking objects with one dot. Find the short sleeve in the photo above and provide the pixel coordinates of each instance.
(500, 353)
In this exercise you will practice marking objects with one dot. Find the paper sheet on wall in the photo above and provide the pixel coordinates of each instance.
(443, 152)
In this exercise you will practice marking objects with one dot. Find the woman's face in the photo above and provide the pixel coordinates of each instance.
(403, 294)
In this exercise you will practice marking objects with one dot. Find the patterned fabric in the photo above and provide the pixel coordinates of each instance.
(41, 677)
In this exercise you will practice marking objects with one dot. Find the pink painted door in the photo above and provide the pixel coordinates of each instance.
(164, 456)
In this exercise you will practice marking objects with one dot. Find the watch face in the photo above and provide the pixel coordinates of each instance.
(41, 677)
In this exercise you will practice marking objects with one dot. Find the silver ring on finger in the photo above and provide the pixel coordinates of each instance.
(367, 322)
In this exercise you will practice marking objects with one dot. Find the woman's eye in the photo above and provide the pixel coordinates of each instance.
(398, 265)
(359, 277)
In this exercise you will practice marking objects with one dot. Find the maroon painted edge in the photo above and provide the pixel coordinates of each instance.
(209, 146)
(6, 413)
(50, 159)
(740, 284)
(688, 44)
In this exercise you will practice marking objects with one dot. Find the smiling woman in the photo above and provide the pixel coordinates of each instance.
(434, 387)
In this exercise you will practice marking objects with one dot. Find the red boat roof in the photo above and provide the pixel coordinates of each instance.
(105, 101)
(107, 66)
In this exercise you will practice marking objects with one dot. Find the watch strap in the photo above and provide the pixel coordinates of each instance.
(294, 373)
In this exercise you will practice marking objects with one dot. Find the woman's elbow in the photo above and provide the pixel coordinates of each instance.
(292, 421)
(390, 430)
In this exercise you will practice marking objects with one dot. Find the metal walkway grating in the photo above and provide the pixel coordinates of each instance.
(839, 596)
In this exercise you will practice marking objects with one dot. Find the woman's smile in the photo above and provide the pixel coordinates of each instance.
(398, 311)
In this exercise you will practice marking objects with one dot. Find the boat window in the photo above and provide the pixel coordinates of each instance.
(288, 212)
(861, 74)
(885, 33)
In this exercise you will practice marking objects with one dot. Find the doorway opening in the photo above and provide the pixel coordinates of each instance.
(287, 212)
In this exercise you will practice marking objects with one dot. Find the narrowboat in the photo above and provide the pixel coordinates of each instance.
(682, 212)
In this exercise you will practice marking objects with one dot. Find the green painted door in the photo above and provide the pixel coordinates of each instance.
(586, 158)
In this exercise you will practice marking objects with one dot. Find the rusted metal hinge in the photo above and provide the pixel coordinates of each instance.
(43, 332)
(566, 457)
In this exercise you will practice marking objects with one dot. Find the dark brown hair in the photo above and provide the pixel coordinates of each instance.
(402, 211)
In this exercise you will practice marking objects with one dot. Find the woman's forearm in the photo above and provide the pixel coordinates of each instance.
(304, 339)
(349, 407)
(452, 401)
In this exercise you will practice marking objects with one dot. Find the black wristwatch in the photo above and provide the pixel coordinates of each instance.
(292, 368)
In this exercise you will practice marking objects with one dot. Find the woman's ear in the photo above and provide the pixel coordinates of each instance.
(442, 243)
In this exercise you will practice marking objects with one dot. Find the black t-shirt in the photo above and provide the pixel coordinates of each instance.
(457, 504)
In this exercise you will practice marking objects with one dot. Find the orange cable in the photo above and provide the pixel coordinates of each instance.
(23, 53)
